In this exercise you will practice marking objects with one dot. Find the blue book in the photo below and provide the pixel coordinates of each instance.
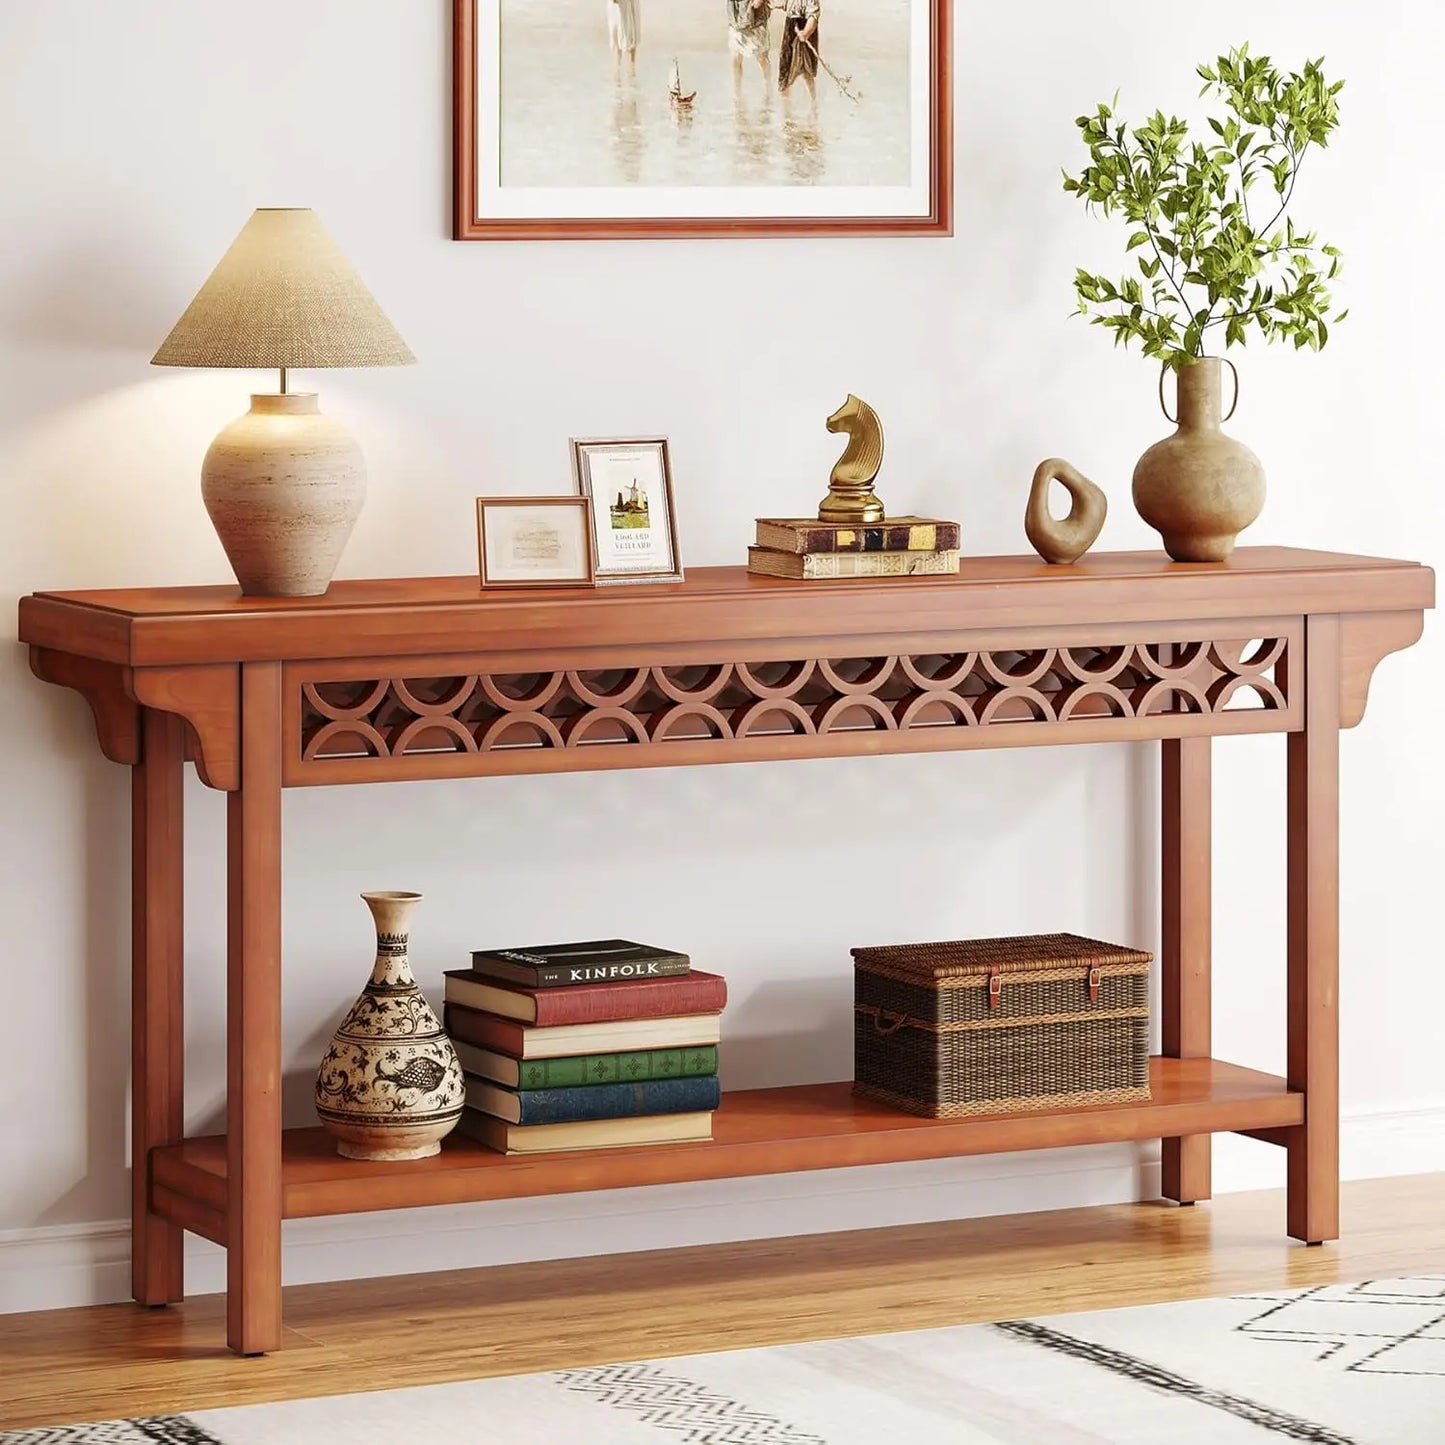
(594, 1101)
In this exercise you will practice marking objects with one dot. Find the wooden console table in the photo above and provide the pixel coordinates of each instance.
(401, 679)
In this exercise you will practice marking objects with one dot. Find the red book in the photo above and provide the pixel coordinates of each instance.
(525, 1041)
(589, 1003)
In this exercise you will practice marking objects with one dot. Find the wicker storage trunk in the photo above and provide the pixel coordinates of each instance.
(998, 1025)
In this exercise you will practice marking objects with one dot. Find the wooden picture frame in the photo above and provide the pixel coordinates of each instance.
(506, 558)
(483, 211)
(623, 479)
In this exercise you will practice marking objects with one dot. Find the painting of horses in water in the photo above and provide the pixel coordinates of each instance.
(674, 117)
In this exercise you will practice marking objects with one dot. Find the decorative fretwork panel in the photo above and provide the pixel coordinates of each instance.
(526, 721)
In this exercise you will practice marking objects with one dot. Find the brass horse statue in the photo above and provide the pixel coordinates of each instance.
(850, 497)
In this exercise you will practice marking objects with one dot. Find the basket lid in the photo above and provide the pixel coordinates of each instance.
(1035, 952)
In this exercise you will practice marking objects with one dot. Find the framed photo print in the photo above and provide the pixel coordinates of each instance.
(534, 541)
(634, 530)
(617, 118)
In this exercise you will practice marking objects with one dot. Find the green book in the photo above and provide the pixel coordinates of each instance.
(571, 1073)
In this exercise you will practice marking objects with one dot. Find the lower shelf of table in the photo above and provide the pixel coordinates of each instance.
(757, 1131)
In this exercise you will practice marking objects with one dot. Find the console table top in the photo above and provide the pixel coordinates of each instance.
(157, 626)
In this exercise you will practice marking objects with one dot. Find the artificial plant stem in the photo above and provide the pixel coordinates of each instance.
(1248, 311)
(1294, 163)
(1149, 231)
(1173, 280)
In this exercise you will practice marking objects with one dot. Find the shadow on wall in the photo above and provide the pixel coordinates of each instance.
(99, 1001)
(87, 319)
(107, 447)
(102, 295)
(759, 1056)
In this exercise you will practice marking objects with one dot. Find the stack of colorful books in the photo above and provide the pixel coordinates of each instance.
(806, 550)
(585, 1046)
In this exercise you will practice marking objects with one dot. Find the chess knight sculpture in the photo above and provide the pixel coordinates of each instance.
(850, 497)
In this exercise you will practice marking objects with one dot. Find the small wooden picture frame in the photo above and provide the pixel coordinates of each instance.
(535, 541)
(634, 524)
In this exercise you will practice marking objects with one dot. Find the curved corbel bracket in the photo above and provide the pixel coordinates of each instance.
(103, 686)
(208, 697)
(1366, 639)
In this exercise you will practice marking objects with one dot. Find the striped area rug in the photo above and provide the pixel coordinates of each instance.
(1359, 1364)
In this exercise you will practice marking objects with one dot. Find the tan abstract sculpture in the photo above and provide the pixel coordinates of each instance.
(1064, 539)
(850, 496)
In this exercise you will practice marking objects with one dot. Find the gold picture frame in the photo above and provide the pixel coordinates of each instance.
(519, 550)
(628, 481)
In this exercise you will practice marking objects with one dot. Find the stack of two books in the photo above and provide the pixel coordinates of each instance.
(807, 550)
(585, 1046)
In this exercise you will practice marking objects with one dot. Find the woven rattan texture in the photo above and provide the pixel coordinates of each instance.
(887, 1023)
(999, 1025)
(1003, 1070)
(1046, 996)
(972, 958)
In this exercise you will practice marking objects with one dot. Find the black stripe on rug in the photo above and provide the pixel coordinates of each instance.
(153, 1430)
(1158, 1378)
(175, 1430)
(674, 1402)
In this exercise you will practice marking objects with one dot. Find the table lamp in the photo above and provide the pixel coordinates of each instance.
(283, 484)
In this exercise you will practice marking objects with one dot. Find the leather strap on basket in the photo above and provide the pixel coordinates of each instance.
(995, 986)
(1096, 975)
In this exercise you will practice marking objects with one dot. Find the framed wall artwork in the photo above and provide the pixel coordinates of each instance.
(634, 526)
(534, 541)
(631, 118)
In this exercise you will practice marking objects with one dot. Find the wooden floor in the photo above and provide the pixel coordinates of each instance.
(85, 1364)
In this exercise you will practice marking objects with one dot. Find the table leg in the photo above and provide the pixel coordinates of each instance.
(253, 1021)
(157, 1036)
(1313, 904)
(1186, 941)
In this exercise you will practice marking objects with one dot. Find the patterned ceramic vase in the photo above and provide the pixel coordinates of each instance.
(390, 1086)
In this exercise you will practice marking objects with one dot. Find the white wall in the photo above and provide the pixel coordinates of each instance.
(137, 140)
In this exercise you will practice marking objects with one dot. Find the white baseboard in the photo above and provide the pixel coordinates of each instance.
(58, 1266)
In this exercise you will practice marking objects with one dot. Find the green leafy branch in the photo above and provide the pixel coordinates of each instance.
(1206, 271)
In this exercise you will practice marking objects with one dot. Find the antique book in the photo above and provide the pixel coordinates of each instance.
(609, 960)
(599, 1101)
(897, 534)
(523, 1041)
(587, 1069)
(508, 1138)
(590, 1003)
(817, 566)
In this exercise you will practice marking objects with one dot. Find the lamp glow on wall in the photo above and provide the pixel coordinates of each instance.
(283, 484)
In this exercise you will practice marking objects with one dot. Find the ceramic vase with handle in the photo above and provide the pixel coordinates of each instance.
(390, 1086)
(1199, 488)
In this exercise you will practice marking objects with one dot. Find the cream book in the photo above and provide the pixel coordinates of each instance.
(525, 1041)
(508, 1138)
(818, 566)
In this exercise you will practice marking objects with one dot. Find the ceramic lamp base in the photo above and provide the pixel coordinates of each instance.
(284, 486)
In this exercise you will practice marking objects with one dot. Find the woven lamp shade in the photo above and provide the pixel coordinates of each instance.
(283, 296)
